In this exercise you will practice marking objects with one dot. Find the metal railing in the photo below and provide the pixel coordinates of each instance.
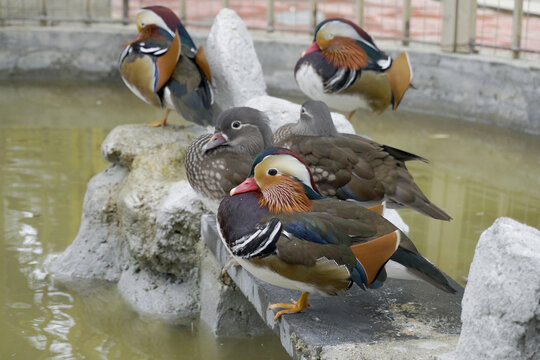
(463, 26)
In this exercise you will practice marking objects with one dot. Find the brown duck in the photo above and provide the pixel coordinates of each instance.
(352, 167)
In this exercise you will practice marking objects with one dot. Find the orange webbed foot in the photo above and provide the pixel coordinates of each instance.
(293, 307)
(162, 122)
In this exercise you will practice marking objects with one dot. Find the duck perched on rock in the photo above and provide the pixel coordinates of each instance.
(215, 163)
(280, 229)
(344, 68)
(352, 167)
(163, 67)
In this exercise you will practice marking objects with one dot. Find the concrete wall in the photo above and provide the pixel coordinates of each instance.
(493, 91)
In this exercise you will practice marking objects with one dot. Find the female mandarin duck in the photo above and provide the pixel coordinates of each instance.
(163, 67)
(215, 163)
(280, 229)
(352, 167)
(344, 68)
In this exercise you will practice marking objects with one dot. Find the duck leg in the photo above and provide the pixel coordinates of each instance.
(349, 117)
(293, 307)
(232, 262)
(162, 122)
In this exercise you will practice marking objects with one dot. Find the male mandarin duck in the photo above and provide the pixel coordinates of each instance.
(163, 67)
(352, 167)
(280, 229)
(344, 68)
(215, 163)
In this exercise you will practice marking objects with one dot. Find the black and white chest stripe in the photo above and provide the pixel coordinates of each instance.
(259, 243)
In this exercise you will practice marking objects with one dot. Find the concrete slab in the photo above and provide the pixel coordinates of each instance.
(403, 319)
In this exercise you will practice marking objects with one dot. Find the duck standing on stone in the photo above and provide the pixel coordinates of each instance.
(215, 163)
(280, 229)
(350, 166)
(163, 67)
(344, 68)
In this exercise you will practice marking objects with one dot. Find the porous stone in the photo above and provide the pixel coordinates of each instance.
(98, 252)
(173, 300)
(141, 224)
(236, 71)
(501, 304)
(121, 147)
(281, 112)
(224, 308)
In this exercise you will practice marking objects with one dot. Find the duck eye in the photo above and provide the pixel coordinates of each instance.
(236, 124)
(303, 111)
(272, 172)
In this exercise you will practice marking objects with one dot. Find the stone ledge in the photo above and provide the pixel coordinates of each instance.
(403, 319)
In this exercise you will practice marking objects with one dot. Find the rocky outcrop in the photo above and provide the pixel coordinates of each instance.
(141, 221)
(141, 224)
(501, 304)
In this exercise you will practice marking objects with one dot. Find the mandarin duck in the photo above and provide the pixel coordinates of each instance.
(215, 163)
(280, 229)
(344, 68)
(350, 166)
(163, 67)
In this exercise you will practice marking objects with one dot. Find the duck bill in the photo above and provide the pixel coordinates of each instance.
(248, 185)
(216, 140)
(314, 47)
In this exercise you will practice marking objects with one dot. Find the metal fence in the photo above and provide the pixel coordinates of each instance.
(501, 27)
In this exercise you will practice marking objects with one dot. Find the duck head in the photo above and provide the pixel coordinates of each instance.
(283, 179)
(315, 120)
(342, 43)
(165, 19)
(243, 130)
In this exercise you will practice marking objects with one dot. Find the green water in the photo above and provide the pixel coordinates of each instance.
(50, 138)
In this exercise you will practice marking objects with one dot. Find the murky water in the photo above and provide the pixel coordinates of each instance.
(50, 138)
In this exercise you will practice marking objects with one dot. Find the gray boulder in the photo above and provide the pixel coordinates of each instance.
(501, 304)
(237, 74)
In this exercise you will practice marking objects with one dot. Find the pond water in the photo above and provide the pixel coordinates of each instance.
(50, 138)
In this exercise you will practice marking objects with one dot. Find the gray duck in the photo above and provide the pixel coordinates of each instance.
(352, 167)
(216, 163)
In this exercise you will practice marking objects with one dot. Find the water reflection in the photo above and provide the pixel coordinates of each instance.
(45, 164)
(476, 174)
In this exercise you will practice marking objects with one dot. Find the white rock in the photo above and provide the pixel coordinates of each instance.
(236, 71)
(501, 304)
(281, 112)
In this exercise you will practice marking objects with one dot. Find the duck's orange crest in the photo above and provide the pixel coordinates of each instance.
(343, 52)
(287, 196)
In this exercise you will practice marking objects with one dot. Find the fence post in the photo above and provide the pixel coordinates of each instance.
(517, 20)
(182, 10)
(313, 14)
(466, 29)
(360, 12)
(43, 22)
(459, 26)
(449, 24)
(270, 15)
(88, 12)
(406, 22)
(125, 12)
